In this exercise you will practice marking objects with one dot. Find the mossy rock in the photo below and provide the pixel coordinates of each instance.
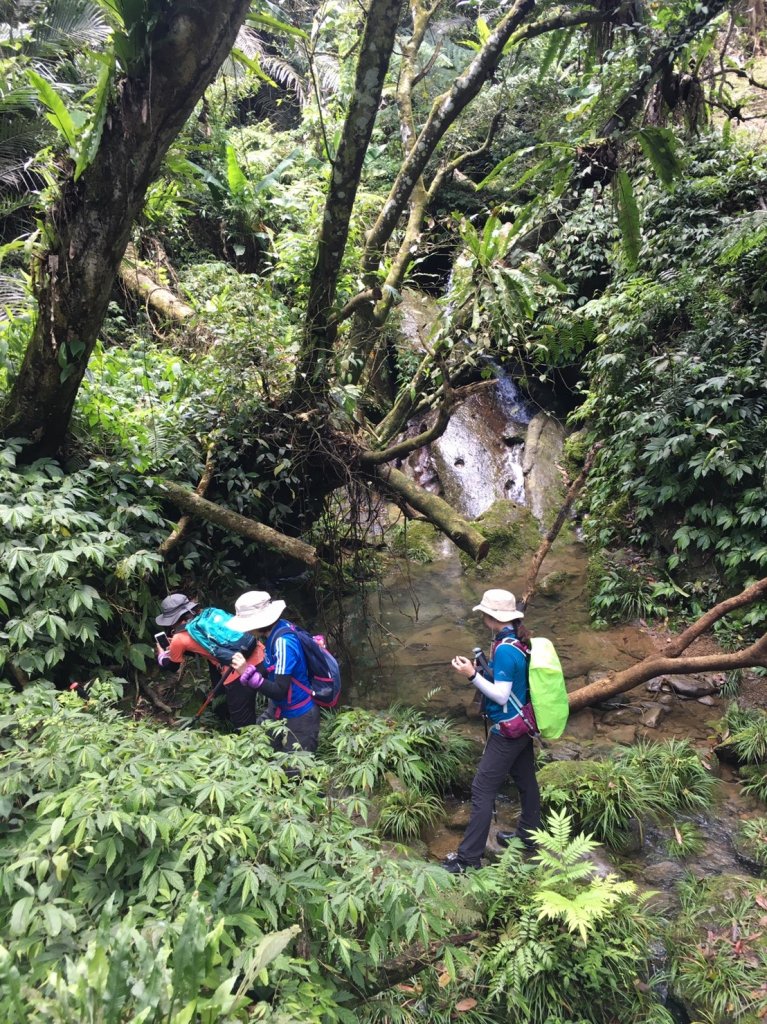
(512, 532)
(576, 448)
(416, 541)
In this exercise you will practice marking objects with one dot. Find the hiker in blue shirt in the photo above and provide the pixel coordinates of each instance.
(283, 676)
(509, 747)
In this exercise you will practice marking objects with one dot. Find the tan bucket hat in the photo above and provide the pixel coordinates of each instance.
(255, 610)
(500, 604)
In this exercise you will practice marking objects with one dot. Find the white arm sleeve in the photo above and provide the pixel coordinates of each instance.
(497, 692)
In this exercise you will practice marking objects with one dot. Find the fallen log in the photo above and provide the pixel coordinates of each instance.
(436, 510)
(139, 282)
(233, 522)
(182, 526)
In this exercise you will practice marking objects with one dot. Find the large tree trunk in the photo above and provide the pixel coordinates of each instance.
(320, 324)
(89, 227)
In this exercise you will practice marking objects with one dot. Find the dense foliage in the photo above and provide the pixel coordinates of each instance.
(158, 875)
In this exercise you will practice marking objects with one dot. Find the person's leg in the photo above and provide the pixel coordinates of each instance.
(523, 774)
(492, 772)
(240, 703)
(302, 732)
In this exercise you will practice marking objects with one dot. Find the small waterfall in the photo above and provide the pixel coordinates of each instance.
(478, 459)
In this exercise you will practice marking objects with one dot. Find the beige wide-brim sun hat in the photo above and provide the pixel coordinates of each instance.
(255, 610)
(500, 604)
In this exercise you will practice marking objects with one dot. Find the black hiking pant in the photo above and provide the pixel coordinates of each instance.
(500, 759)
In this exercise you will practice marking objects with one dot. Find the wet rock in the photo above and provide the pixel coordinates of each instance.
(544, 486)
(651, 716)
(654, 685)
(561, 750)
(459, 819)
(620, 716)
(667, 699)
(601, 673)
(691, 686)
(664, 873)
(581, 725)
(709, 701)
(512, 532)
(632, 840)
(622, 734)
(554, 583)
(575, 683)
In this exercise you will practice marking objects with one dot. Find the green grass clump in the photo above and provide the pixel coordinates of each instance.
(685, 841)
(744, 731)
(676, 769)
(718, 950)
(751, 840)
(754, 778)
(647, 782)
(406, 813)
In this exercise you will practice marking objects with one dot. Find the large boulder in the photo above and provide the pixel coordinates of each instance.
(544, 483)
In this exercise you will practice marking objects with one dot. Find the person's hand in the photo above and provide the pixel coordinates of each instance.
(463, 665)
(159, 650)
(238, 662)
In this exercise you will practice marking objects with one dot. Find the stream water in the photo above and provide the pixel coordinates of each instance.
(401, 639)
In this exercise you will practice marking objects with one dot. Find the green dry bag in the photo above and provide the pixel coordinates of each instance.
(547, 688)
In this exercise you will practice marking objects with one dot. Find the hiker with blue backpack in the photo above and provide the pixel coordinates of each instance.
(509, 711)
(191, 630)
(295, 674)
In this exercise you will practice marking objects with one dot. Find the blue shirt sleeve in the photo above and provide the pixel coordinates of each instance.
(289, 658)
(510, 666)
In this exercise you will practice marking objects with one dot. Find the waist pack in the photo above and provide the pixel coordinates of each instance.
(546, 687)
(323, 669)
(210, 631)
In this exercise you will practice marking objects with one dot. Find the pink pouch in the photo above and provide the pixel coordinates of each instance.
(521, 725)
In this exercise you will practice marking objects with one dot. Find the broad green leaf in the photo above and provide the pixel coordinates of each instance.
(57, 114)
(628, 216)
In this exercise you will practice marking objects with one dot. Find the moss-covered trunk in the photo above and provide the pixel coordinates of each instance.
(88, 229)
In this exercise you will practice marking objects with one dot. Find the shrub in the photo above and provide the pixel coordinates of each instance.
(162, 871)
(364, 746)
(718, 952)
(569, 937)
(76, 565)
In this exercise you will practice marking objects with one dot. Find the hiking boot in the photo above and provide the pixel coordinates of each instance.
(456, 865)
(504, 838)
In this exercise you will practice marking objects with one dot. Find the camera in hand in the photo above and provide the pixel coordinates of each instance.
(162, 640)
(481, 665)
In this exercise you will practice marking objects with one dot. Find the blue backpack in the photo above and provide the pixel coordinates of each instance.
(210, 631)
(323, 669)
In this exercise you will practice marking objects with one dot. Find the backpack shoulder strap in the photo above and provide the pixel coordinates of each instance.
(513, 642)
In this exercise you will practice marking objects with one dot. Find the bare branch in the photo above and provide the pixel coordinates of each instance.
(572, 493)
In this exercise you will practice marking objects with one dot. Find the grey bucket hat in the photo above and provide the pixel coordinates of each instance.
(173, 607)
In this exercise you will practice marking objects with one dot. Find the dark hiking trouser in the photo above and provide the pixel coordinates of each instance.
(501, 758)
(302, 731)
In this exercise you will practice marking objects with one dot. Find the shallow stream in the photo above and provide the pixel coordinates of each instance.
(401, 639)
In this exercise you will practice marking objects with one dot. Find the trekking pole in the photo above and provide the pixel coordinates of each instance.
(216, 689)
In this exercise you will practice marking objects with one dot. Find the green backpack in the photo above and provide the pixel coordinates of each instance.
(547, 688)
